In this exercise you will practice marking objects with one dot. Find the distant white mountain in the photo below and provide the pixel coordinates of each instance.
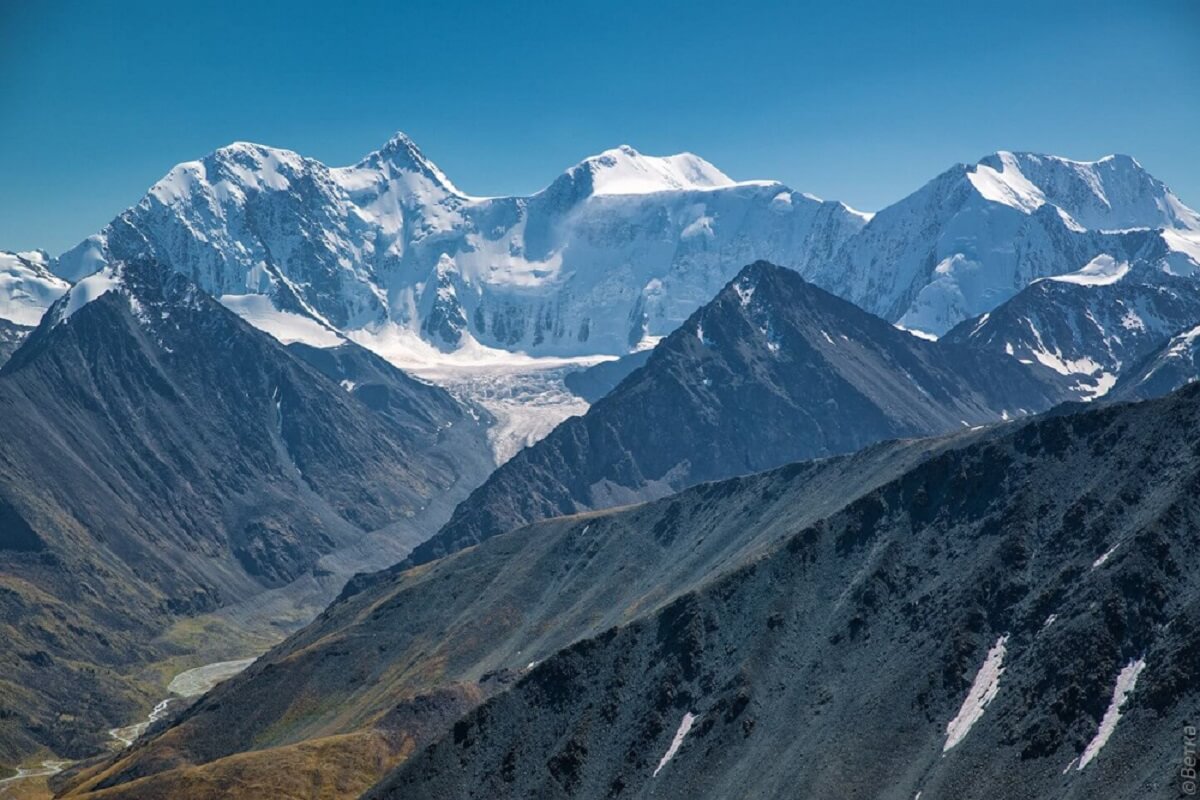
(977, 234)
(613, 254)
(618, 250)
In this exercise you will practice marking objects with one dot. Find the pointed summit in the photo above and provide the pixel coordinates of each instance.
(401, 154)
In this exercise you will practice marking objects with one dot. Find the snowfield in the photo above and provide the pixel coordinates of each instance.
(983, 691)
(1126, 682)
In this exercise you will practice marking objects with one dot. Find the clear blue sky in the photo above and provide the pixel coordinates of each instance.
(860, 102)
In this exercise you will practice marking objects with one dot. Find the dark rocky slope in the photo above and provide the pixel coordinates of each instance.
(369, 673)
(834, 665)
(1175, 363)
(592, 383)
(161, 458)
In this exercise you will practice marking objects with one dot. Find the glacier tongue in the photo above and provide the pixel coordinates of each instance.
(526, 395)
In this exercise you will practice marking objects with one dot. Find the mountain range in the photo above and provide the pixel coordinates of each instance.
(819, 465)
(622, 247)
(619, 248)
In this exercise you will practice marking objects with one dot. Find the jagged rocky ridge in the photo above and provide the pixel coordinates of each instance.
(1090, 326)
(1174, 364)
(163, 459)
(773, 370)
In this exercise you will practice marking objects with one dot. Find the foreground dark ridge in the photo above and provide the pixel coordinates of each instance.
(987, 528)
(844, 662)
(387, 670)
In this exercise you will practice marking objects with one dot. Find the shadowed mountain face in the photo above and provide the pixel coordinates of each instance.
(771, 371)
(592, 383)
(367, 682)
(1011, 618)
(164, 459)
(413, 405)
(825, 623)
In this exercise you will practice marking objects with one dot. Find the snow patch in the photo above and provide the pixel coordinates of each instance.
(920, 334)
(285, 326)
(90, 288)
(983, 691)
(1126, 682)
(1103, 270)
(745, 292)
(703, 226)
(1100, 561)
(1187, 243)
(685, 725)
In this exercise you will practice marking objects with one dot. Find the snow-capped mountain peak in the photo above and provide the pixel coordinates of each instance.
(401, 155)
(625, 171)
(999, 179)
(977, 234)
(1112, 193)
(230, 170)
(620, 247)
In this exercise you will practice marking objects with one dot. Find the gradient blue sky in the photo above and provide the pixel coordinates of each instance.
(861, 102)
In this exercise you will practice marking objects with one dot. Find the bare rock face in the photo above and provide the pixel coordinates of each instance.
(773, 370)
(162, 459)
